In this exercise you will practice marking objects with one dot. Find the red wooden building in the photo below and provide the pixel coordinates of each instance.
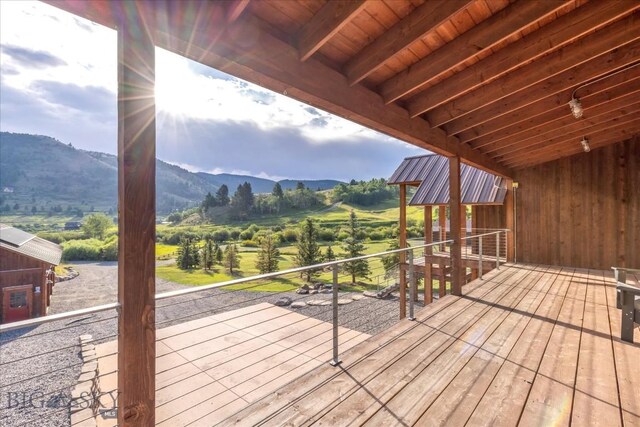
(27, 274)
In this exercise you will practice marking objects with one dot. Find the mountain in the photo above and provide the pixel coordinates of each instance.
(41, 171)
(262, 185)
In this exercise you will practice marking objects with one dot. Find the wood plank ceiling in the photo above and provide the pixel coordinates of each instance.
(488, 80)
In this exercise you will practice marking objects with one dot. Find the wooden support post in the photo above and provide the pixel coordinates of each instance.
(454, 218)
(403, 255)
(510, 224)
(442, 221)
(442, 285)
(428, 271)
(136, 220)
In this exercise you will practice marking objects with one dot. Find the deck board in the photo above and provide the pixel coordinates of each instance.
(529, 345)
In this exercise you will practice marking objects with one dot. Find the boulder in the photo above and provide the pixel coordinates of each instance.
(302, 290)
(283, 301)
(357, 297)
(298, 304)
(313, 291)
(344, 301)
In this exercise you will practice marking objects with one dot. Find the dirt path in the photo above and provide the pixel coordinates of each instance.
(97, 284)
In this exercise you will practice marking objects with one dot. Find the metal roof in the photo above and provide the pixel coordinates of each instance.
(29, 245)
(431, 171)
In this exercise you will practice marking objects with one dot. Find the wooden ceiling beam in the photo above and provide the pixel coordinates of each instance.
(246, 50)
(577, 132)
(573, 77)
(235, 8)
(556, 34)
(550, 108)
(478, 39)
(594, 143)
(545, 68)
(624, 126)
(416, 25)
(568, 123)
(329, 20)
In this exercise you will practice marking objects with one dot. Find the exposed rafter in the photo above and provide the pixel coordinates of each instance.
(328, 21)
(551, 108)
(564, 30)
(568, 79)
(235, 9)
(478, 39)
(415, 26)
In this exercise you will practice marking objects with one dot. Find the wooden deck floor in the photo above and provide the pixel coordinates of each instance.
(529, 345)
(210, 368)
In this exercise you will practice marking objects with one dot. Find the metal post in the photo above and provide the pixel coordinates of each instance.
(480, 257)
(336, 361)
(498, 251)
(412, 285)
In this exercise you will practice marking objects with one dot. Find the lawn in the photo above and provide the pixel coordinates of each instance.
(248, 257)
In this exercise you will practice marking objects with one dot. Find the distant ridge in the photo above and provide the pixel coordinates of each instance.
(263, 185)
(40, 171)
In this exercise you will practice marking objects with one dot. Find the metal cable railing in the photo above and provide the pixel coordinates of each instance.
(44, 365)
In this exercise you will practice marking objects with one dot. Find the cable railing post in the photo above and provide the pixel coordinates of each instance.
(336, 361)
(480, 257)
(498, 251)
(412, 285)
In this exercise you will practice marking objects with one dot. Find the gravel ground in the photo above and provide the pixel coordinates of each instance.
(39, 366)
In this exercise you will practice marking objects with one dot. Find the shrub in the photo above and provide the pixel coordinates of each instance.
(326, 235)
(82, 250)
(109, 251)
(234, 234)
(247, 234)
(249, 243)
(376, 235)
(221, 235)
(290, 235)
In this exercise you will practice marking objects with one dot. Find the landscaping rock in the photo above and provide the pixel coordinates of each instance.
(344, 301)
(357, 297)
(313, 291)
(318, 302)
(302, 290)
(370, 294)
(283, 302)
(298, 304)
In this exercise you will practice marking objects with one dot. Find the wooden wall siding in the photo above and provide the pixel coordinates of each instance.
(17, 269)
(582, 211)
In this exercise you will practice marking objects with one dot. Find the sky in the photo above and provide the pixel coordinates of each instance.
(58, 77)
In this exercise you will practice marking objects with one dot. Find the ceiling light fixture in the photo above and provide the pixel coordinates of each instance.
(576, 107)
(585, 145)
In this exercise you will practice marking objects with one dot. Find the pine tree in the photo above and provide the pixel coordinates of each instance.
(219, 255)
(231, 257)
(188, 255)
(390, 262)
(329, 255)
(309, 252)
(267, 255)
(222, 195)
(277, 191)
(354, 248)
(208, 254)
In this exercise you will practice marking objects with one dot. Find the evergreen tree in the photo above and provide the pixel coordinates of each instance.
(222, 195)
(208, 254)
(308, 249)
(188, 256)
(390, 262)
(208, 202)
(243, 200)
(231, 257)
(329, 255)
(267, 255)
(300, 185)
(277, 191)
(217, 254)
(354, 248)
